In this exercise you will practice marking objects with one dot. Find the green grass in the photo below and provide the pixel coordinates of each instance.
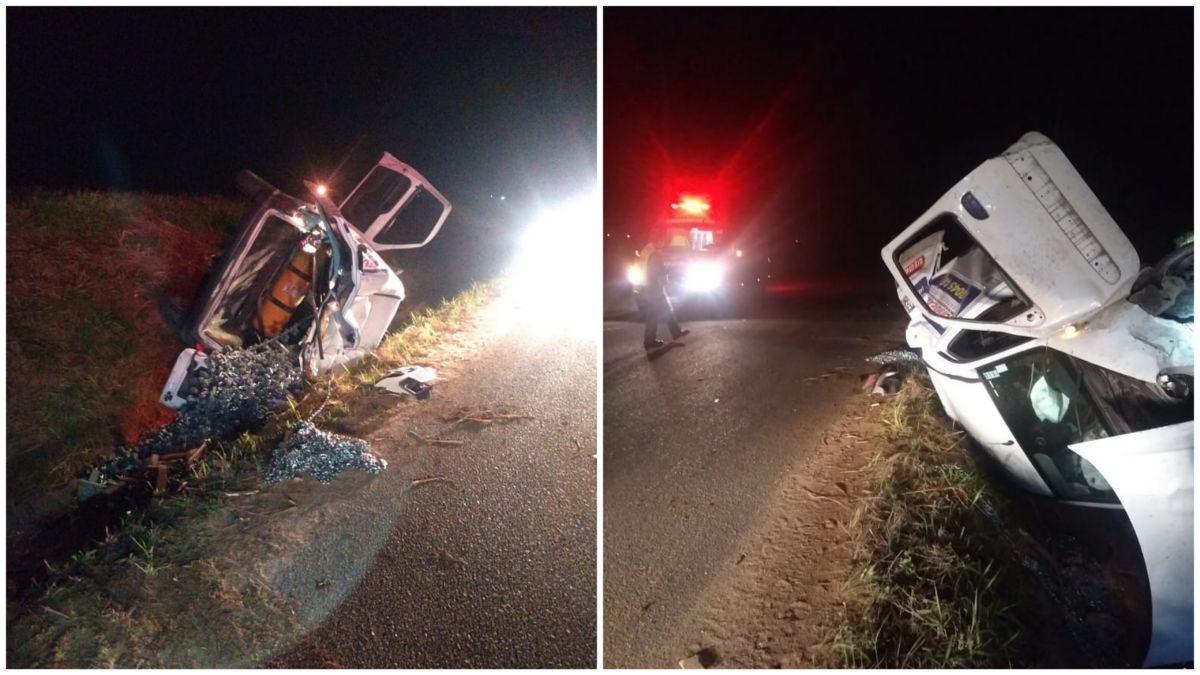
(933, 586)
(89, 274)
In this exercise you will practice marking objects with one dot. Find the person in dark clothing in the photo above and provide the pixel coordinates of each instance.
(658, 305)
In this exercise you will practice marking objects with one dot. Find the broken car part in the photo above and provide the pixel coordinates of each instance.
(301, 289)
(411, 380)
(1066, 362)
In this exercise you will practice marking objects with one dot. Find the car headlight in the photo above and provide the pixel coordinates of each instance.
(636, 275)
(703, 276)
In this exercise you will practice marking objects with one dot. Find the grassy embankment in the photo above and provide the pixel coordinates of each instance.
(94, 281)
(935, 585)
(109, 605)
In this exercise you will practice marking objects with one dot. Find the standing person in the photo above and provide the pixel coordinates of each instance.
(658, 305)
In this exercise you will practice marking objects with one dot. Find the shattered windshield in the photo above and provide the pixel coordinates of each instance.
(955, 277)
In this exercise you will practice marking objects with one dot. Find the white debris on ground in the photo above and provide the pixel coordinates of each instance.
(320, 454)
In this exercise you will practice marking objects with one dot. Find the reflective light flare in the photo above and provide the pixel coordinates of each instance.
(703, 276)
(552, 277)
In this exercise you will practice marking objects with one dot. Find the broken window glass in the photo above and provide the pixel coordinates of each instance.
(1042, 398)
(955, 277)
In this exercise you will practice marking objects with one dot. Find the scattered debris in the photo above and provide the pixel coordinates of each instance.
(483, 418)
(320, 454)
(705, 658)
(894, 366)
(237, 389)
(895, 357)
(409, 380)
(417, 482)
(887, 382)
(433, 441)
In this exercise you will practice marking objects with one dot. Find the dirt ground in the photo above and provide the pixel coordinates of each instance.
(777, 607)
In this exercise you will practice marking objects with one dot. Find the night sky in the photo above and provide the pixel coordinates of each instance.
(840, 126)
(481, 101)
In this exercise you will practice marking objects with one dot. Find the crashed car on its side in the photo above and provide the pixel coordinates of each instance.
(310, 271)
(1061, 357)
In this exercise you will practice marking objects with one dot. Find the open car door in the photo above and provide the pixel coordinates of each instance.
(1026, 227)
(1151, 472)
(395, 207)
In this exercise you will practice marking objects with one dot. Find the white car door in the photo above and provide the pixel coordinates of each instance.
(394, 207)
(1151, 472)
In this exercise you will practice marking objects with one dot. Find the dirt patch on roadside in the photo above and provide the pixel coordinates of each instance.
(785, 591)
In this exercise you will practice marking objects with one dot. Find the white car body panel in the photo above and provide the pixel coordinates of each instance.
(983, 422)
(1069, 235)
(1152, 473)
(371, 232)
(351, 332)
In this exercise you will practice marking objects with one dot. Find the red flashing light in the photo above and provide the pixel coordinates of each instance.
(692, 205)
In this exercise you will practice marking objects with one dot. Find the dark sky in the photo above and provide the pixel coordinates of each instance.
(840, 126)
(478, 100)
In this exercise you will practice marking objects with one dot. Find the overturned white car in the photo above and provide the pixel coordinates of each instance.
(1061, 357)
(313, 265)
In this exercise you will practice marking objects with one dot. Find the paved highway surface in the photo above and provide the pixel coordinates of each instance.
(496, 565)
(696, 437)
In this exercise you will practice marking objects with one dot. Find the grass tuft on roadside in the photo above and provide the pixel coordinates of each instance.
(933, 587)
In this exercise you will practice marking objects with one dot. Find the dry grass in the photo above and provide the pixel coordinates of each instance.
(150, 596)
(934, 586)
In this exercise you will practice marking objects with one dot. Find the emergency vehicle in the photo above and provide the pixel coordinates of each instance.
(699, 256)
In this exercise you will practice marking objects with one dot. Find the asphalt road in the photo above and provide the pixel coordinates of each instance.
(697, 437)
(494, 564)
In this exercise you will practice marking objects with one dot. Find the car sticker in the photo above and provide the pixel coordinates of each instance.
(915, 265)
(922, 287)
(949, 294)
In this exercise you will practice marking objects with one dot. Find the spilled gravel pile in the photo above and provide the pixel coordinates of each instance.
(320, 454)
(238, 390)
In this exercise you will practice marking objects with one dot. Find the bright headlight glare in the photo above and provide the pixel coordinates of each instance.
(703, 276)
(636, 275)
